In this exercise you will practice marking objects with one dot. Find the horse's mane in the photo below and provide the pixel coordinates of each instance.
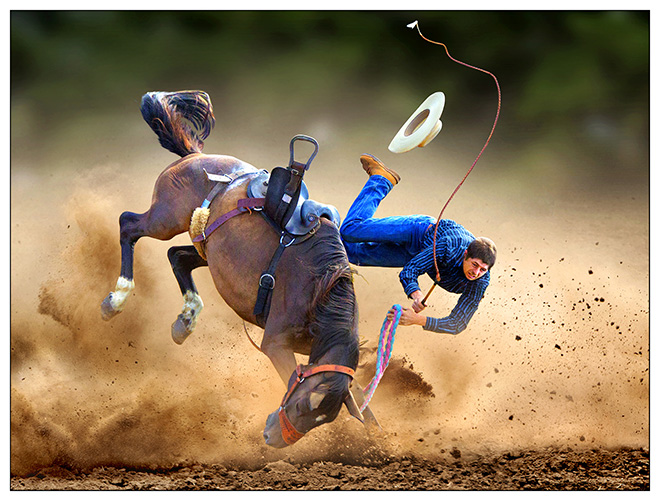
(333, 311)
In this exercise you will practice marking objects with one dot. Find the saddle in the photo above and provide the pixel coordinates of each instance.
(282, 198)
(297, 220)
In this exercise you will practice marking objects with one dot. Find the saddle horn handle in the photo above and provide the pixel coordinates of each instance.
(297, 165)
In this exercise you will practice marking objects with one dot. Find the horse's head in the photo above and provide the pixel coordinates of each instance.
(317, 391)
(314, 397)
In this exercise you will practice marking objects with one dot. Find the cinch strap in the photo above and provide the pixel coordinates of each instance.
(267, 281)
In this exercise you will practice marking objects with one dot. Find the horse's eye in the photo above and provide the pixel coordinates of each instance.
(302, 407)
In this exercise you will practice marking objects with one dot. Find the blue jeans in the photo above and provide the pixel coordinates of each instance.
(386, 242)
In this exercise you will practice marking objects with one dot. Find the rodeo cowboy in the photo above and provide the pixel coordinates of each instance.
(464, 262)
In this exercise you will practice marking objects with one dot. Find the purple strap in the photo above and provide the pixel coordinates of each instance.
(243, 205)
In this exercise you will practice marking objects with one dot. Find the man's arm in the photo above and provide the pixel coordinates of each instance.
(464, 310)
(457, 320)
(420, 264)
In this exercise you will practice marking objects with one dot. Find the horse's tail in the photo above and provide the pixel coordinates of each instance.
(181, 120)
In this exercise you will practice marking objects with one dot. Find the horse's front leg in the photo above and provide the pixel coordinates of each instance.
(279, 352)
(184, 259)
(130, 230)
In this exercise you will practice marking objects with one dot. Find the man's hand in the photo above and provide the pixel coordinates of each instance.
(408, 317)
(417, 298)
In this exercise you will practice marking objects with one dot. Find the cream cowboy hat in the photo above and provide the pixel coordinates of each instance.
(422, 126)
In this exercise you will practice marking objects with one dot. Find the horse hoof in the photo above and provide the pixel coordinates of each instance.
(107, 311)
(180, 330)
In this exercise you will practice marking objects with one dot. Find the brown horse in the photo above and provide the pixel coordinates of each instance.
(313, 309)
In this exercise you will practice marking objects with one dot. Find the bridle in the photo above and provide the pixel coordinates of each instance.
(289, 432)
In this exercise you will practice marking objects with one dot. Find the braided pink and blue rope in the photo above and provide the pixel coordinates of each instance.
(385, 345)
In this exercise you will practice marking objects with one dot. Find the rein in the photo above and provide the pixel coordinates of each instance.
(250, 338)
(388, 330)
(497, 115)
(289, 432)
(385, 345)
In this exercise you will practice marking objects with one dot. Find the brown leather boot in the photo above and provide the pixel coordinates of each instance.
(373, 166)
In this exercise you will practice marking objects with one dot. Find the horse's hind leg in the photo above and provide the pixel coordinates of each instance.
(130, 230)
(184, 259)
(164, 220)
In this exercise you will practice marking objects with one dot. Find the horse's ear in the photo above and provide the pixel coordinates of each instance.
(353, 407)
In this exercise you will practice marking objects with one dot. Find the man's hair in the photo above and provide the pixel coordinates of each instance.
(484, 249)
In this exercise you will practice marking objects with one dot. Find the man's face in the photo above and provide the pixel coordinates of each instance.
(473, 267)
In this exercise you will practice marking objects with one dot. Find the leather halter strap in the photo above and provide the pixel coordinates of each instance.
(289, 433)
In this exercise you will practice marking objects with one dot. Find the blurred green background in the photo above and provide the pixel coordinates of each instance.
(576, 82)
(563, 189)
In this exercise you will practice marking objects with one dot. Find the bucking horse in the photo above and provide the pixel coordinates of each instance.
(304, 300)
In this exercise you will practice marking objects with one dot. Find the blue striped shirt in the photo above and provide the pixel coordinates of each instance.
(451, 244)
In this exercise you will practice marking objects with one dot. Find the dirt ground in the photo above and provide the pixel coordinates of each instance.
(626, 470)
(548, 388)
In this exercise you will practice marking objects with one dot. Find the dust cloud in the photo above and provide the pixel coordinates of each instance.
(557, 355)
